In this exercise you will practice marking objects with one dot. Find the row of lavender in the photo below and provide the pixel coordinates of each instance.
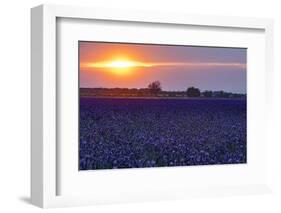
(137, 133)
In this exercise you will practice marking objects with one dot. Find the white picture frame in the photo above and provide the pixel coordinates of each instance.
(45, 166)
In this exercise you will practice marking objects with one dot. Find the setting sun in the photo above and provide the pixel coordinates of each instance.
(119, 67)
(120, 64)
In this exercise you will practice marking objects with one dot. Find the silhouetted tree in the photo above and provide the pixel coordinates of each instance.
(154, 87)
(193, 92)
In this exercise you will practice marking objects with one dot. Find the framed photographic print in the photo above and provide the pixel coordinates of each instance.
(130, 106)
(137, 111)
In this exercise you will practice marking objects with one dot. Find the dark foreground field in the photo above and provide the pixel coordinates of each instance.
(136, 133)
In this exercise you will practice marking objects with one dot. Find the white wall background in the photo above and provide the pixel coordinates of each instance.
(15, 105)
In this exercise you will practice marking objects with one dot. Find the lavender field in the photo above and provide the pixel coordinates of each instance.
(138, 133)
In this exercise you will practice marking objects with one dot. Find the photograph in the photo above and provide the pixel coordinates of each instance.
(147, 105)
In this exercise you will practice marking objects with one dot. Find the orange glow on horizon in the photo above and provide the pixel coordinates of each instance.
(125, 62)
(120, 64)
(116, 64)
(132, 65)
(120, 67)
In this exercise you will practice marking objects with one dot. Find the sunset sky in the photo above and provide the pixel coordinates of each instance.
(123, 65)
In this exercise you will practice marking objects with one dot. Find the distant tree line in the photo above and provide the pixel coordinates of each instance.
(154, 89)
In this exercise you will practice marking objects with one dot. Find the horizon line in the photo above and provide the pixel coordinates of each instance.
(244, 93)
